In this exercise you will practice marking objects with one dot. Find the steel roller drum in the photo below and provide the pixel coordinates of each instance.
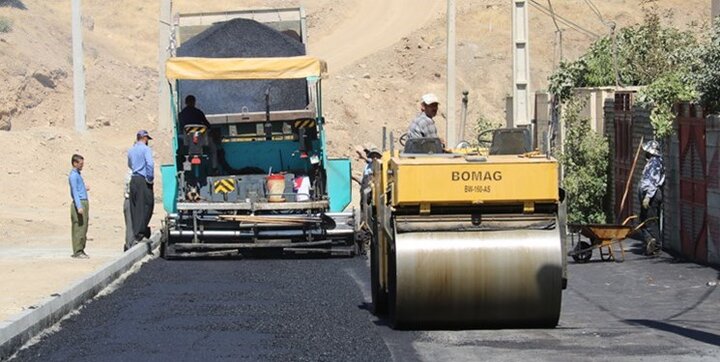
(485, 279)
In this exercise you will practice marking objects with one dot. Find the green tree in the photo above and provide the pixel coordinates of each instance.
(706, 71)
(585, 161)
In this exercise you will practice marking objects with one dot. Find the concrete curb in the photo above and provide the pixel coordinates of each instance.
(16, 331)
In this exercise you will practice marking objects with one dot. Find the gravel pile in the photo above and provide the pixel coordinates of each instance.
(243, 38)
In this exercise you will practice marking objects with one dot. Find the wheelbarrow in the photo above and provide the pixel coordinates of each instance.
(603, 237)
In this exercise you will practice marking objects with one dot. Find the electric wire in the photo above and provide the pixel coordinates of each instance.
(570, 24)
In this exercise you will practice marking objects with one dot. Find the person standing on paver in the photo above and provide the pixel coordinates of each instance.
(191, 115)
(651, 196)
(142, 200)
(80, 207)
(423, 125)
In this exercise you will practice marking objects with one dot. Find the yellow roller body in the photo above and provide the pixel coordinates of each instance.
(449, 181)
(467, 241)
(482, 279)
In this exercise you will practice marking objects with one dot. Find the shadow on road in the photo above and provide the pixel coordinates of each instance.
(700, 336)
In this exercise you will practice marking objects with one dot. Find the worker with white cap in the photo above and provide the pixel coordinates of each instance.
(650, 195)
(423, 125)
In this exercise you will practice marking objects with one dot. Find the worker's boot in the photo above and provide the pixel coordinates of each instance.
(651, 248)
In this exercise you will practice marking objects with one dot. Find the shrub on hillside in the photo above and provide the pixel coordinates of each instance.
(5, 25)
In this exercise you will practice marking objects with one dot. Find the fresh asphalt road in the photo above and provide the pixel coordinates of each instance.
(318, 310)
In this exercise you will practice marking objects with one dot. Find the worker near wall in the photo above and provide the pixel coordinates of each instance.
(423, 125)
(193, 115)
(651, 197)
(79, 208)
(142, 200)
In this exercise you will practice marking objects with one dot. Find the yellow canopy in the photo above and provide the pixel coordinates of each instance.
(244, 68)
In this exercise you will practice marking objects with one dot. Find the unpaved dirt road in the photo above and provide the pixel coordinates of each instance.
(373, 26)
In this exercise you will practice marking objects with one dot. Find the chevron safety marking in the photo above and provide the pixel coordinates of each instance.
(224, 186)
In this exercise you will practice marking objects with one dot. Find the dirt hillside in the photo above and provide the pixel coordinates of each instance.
(382, 56)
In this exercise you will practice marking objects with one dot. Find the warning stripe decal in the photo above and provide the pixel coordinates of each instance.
(224, 186)
(307, 123)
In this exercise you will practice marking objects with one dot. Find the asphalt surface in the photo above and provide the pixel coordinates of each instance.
(318, 310)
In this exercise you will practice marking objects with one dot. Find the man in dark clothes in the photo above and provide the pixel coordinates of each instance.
(142, 200)
(650, 194)
(192, 115)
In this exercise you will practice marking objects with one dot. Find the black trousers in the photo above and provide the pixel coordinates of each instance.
(142, 202)
(651, 230)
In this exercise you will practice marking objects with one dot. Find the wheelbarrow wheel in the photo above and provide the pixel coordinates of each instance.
(584, 256)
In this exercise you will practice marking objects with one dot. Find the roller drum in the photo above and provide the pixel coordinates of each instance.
(483, 279)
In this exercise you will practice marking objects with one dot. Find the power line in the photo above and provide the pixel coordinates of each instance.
(552, 12)
(563, 20)
(595, 10)
(558, 51)
(572, 25)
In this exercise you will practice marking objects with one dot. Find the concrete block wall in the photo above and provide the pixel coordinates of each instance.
(671, 204)
(712, 141)
(593, 110)
(609, 119)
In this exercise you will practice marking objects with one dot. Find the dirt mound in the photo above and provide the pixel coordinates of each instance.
(243, 38)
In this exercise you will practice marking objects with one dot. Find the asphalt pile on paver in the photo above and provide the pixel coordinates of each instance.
(243, 38)
(277, 310)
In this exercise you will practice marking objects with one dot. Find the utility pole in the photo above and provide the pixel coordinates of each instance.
(521, 64)
(450, 125)
(164, 115)
(78, 67)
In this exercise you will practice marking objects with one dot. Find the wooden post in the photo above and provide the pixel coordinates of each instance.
(164, 115)
(451, 127)
(78, 67)
(629, 180)
(521, 64)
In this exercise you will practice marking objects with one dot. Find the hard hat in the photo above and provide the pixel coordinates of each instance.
(430, 98)
(652, 147)
(370, 148)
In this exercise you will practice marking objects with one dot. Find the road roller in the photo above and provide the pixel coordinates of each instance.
(464, 239)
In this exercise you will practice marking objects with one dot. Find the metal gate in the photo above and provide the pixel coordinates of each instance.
(693, 184)
(623, 122)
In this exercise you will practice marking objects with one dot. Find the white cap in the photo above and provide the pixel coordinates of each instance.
(430, 98)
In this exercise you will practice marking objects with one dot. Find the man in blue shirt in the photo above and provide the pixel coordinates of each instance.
(142, 200)
(79, 208)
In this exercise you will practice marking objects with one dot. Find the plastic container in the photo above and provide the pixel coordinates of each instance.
(302, 188)
(276, 187)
